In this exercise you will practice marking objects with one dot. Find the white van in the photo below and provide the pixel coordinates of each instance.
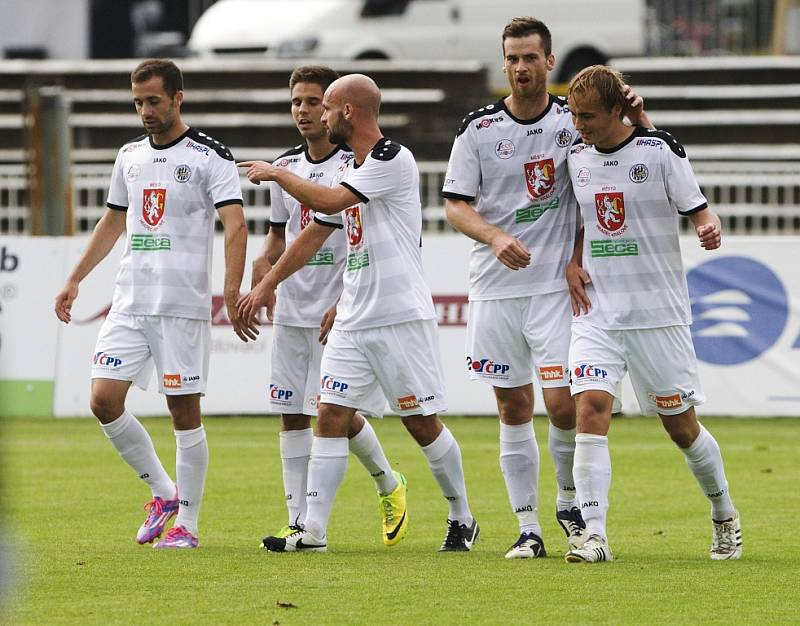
(584, 31)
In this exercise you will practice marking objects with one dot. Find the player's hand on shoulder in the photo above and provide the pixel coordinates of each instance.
(510, 251)
(64, 300)
(577, 279)
(258, 171)
(710, 236)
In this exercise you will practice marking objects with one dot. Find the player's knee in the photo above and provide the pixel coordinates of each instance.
(423, 428)
(105, 408)
(561, 411)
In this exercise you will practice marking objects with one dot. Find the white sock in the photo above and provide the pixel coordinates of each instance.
(368, 450)
(191, 466)
(325, 473)
(295, 453)
(705, 460)
(444, 459)
(519, 462)
(592, 473)
(134, 445)
(561, 444)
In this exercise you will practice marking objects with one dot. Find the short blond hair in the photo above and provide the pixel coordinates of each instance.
(607, 82)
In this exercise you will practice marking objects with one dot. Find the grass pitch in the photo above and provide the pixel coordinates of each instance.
(71, 510)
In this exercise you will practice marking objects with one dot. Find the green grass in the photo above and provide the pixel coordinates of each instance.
(72, 508)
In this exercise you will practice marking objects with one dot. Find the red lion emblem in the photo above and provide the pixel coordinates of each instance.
(610, 207)
(354, 228)
(540, 177)
(153, 205)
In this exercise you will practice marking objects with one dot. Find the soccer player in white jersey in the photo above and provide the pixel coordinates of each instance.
(631, 302)
(385, 334)
(166, 189)
(511, 155)
(302, 306)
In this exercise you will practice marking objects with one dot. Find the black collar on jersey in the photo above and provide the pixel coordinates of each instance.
(170, 144)
(638, 131)
(551, 101)
(336, 149)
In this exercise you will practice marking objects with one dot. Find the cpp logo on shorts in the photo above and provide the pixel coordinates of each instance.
(740, 309)
(104, 360)
(585, 370)
(279, 395)
(331, 385)
(488, 367)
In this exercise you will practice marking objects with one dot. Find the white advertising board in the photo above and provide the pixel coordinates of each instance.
(745, 301)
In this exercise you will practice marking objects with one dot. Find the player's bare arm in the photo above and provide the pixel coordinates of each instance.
(327, 200)
(708, 227)
(274, 245)
(327, 323)
(634, 108)
(509, 250)
(232, 218)
(578, 278)
(103, 238)
(296, 256)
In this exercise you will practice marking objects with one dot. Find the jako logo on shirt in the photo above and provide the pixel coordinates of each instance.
(172, 381)
(279, 395)
(329, 383)
(740, 309)
(540, 176)
(551, 372)
(489, 367)
(154, 203)
(104, 360)
(589, 371)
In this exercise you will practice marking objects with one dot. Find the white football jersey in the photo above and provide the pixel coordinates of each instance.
(517, 170)
(383, 279)
(303, 298)
(170, 194)
(630, 198)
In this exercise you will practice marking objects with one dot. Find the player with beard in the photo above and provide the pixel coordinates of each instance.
(511, 156)
(385, 334)
(304, 310)
(167, 188)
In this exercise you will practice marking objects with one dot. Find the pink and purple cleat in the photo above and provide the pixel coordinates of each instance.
(177, 537)
(159, 512)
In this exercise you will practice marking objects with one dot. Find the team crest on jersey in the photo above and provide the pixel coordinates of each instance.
(182, 173)
(638, 173)
(305, 216)
(154, 203)
(563, 138)
(610, 207)
(353, 227)
(540, 177)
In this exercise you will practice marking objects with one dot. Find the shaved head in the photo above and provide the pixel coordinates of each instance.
(357, 90)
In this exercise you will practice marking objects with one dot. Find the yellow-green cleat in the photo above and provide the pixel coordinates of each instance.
(394, 513)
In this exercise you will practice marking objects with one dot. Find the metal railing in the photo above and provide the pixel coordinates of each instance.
(750, 197)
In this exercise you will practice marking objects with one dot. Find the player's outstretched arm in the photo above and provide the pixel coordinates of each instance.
(274, 245)
(103, 238)
(296, 256)
(708, 227)
(327, 200)
(509, 250)
(232, 218)
(578, 278)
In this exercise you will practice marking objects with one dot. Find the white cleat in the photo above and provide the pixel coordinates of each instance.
(528, 546)
(726, 541)
(593, 550)
(298, 541)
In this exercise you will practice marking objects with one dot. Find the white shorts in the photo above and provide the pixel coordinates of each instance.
(179, 348)
(401, 359)
(508, 338)
(294, 376)
(661, 363)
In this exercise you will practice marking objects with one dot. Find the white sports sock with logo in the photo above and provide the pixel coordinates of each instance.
(705, 460)
(134, 445)
(191, 466)
(295, 454)
(444, 459)
(519, 462)
(592, 473)
(325, 473)
(561, 444)
(368, 450)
